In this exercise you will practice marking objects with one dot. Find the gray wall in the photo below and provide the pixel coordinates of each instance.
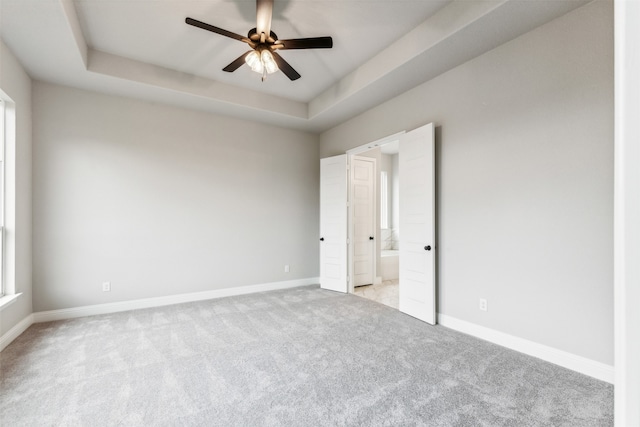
(15, 82)
(525, 178)
(159, 200)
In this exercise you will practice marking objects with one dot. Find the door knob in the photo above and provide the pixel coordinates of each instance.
(427, 248)
(370, 237)
(322, 239)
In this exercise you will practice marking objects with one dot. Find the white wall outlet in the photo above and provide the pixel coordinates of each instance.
(483, 304)
(106, 286)
(286, 268)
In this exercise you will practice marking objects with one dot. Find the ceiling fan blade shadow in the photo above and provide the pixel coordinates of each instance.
(285, 67)
(307, 43)
(237, 63)
(216, 30)
(264, 12)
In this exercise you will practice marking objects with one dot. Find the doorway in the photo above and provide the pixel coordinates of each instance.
(384, 288)
(416, 212)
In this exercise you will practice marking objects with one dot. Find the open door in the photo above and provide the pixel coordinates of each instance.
(417, 224)
(333, 223)
(363, 220)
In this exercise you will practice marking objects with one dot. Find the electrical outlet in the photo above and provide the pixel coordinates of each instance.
(286, 268)
(483, 304)
(106, 286)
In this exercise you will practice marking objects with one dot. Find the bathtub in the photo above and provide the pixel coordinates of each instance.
(389, 264)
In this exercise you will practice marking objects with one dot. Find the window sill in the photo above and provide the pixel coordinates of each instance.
(7, 300)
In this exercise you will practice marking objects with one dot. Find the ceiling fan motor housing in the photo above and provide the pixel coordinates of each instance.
(255, 37)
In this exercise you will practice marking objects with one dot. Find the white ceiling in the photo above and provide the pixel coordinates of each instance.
(143, 49)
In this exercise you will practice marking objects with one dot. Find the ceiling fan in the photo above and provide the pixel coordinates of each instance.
(263, 58)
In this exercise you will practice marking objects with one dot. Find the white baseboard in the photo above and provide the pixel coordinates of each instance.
(562, 358)
(16, 331)
(567, 360)
(91, 310)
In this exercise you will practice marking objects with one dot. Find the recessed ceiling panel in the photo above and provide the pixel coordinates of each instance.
(144, 49)
(155, 32)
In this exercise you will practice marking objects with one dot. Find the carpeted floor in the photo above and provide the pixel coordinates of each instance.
(300, 357)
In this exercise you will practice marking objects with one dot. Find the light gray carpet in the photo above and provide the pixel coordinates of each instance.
(300, 357)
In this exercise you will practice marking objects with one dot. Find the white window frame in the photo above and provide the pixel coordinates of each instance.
(9, 293)
(3, 138)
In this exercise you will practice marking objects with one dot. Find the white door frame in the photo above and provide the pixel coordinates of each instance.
(626, 213)
(377, 143)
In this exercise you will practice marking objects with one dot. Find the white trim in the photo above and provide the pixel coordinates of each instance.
(626, 211)
(91, 310)
(15, 332)
(377, 143)
(562, 358)
(7, 300)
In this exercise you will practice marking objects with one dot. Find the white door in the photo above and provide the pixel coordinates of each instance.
(417, 224)
(363, 219)
(333, 223)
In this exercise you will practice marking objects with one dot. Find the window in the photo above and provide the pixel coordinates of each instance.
(8, 291)
(2, 144)
(384, 200)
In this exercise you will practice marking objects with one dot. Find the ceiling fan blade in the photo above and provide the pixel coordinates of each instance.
(264, 11)
(285, 67)
(309, 43)
(216, 30)
(237, 63)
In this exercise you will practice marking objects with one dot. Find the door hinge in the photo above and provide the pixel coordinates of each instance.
(348, 241)
(348, 279)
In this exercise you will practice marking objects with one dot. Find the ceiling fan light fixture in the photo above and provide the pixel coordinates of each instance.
(268, 61)
(254, 62)
(261, 61)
